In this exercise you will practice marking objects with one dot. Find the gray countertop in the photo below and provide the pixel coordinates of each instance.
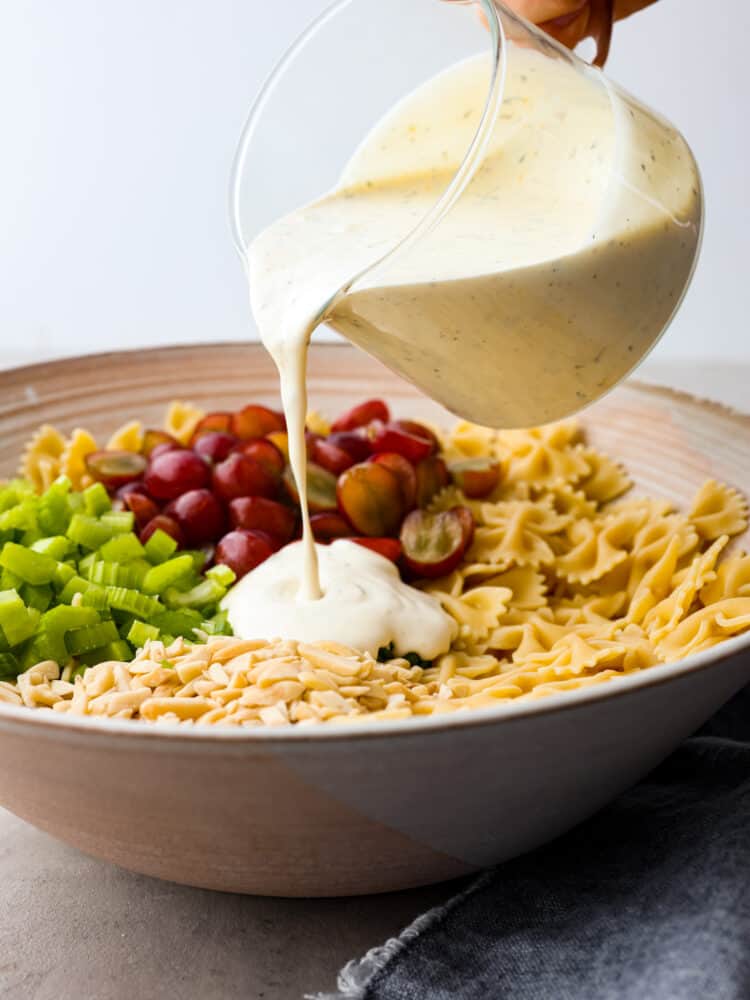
(73, 928)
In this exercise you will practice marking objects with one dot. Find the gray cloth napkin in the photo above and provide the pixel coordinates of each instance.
(649, 900)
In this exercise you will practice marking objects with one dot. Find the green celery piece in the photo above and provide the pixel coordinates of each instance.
(9, 581)
(113, 574)
(132, 602)
(76, 504)
(55, 546)
(88, 532)
(121, 549)
(63, 572)
(160, 547)
(55, 623)
(219, 624)
(139, 633)
(22, 517)
(180, 622)
(96, 500)
(104, 573)
(204, 594)
(12, 493)
(54, 508)
(32, 567)
(16, 620)
(39, 597)
(83, 640)
(76, 585)
(95, 597)
(10, 668)
(120, 522)
(4, 644)
(224, 575)
(30, 536)
(167, 574)
(116, 650)
(85, 563)
(199, 557)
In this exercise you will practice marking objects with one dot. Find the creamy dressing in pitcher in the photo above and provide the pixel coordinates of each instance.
(538, 291)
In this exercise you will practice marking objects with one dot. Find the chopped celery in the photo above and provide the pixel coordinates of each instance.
(55, 546)
(83, 640)
(160, 546)
(85, 563)
(96, 499)
(54, 509)
(116, 650)
(168, 573)
(177, 622)
(32, 567)
(139, 633)
(121, 548)
(88, 532)
(39, 596)
(9, 666)
(120, 522)
(133, 602)
(207, 592)
(95, 597)
(224, 575)
(199, 557)
(50, 641)
(63, 572)
(9, 581)
(75, 585)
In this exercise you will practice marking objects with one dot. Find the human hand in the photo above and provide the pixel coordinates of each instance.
(570, 21)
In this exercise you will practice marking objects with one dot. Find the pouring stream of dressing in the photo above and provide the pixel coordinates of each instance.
(529, 273)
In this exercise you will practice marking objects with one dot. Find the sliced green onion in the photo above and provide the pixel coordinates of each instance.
(160, 546)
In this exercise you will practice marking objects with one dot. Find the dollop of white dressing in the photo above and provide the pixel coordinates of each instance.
(365, 604)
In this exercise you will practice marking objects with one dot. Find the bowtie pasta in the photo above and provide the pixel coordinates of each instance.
(568, 582)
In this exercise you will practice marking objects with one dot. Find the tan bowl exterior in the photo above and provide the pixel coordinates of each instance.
(367, 807)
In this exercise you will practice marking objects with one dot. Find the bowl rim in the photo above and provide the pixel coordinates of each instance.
(166, 734)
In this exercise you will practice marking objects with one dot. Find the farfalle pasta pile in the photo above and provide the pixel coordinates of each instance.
(568, 582)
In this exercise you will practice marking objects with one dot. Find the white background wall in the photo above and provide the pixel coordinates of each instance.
(119, 122)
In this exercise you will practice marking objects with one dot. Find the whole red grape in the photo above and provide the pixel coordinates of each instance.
(171, 473)
(243, 550)
(199, 514)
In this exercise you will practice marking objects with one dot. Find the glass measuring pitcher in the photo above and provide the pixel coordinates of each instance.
(467, 201)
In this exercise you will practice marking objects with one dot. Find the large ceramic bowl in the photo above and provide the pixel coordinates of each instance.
(368, 807)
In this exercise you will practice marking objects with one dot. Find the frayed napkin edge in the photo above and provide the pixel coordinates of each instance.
(358, 973)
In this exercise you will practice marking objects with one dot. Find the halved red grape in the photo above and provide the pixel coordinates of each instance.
(242, 550)
(172, 473)
(404, 472)
(358, 445)
(240, 476)
(330, 456)
(265, 452)
(369, 495)
(432, 476)
(389, 437)
(115, 468)
(155, 438)
(142, 506)
(256, 421)
(217, 421)
(166, 524)
(214, 445)
(388, 548)
(327, 527)
(321, 488)
(361, 415)
(276, 519)
(476, 477)
(434, 544)
(418, 430)
(199, 514)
